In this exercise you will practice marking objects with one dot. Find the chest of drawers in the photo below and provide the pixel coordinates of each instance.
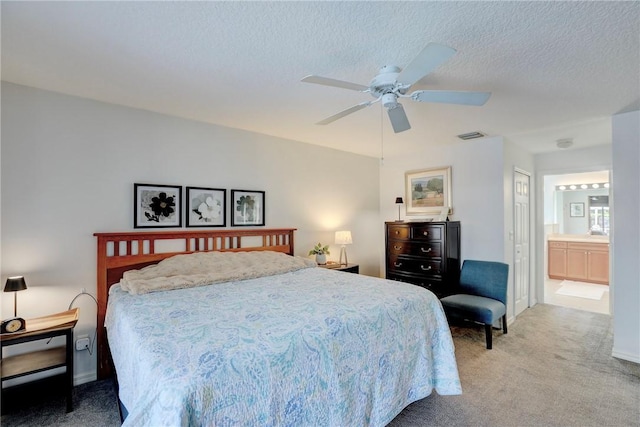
(426, 254)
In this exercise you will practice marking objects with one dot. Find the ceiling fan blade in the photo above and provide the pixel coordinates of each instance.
(428, 60)
(398, 119)
(336, 83)
(451, 97)
(346, 112)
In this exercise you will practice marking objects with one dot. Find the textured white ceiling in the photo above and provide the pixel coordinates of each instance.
(556, 69)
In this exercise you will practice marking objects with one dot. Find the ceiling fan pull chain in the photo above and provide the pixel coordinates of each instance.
(381, 138)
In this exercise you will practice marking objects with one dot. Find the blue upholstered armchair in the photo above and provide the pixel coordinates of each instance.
(481, 297)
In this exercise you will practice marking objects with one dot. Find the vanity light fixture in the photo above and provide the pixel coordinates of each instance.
(594, 186)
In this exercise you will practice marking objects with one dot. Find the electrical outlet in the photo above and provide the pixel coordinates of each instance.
(82, 343)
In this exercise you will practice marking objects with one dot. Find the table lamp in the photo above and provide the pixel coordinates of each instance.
(399, 202)
(15, 284)
(343, 238)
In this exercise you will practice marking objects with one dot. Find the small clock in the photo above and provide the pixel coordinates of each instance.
(15, 324)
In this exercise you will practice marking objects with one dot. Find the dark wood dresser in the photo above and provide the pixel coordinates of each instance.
(426, 254)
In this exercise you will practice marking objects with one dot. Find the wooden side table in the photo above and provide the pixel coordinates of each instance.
(349, 268)
(60, 324)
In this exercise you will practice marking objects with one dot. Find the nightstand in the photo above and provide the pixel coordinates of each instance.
(60, 324)
(349, 268)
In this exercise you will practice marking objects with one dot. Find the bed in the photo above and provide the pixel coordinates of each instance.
(281, 343)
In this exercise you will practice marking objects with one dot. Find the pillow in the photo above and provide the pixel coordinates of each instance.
(204, 268)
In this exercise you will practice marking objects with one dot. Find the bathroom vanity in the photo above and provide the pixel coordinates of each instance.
(580, 258)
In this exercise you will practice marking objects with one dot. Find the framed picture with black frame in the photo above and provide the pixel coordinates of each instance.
(206, 207)
(157, 206)
(247, 208)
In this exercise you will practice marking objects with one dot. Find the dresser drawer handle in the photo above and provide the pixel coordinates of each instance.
(396, 247)
(423, 268)
(425, 233)
(425, 251)
(397, 231)
(397, 264)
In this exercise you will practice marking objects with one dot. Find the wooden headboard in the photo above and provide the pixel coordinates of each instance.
(119, 252)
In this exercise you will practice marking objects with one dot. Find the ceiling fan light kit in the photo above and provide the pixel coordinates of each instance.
(392, 83)
(389, 100)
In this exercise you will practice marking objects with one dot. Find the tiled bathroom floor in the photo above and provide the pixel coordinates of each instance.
(551, 297)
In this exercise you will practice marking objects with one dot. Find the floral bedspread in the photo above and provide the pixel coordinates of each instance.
(312, 347)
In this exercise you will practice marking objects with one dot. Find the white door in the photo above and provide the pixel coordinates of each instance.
(521, 276)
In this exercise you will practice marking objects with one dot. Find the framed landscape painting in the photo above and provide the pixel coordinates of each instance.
(157, 205)
(428, 191)
(206, 207)
(247, 207)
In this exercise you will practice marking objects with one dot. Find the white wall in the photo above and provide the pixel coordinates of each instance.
(476, 169)
(68, 168)
(482, 181)
(596, 158)
(625, 237)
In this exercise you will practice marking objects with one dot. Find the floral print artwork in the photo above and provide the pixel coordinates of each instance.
(248, 207)
(206, 207)
(209, 210)
(161, 205)
(157, 205)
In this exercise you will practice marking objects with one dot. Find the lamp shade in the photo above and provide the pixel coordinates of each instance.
(399, 200)
(343, 238)
(15, 283)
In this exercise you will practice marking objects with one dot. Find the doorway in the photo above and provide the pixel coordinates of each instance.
(576, 210)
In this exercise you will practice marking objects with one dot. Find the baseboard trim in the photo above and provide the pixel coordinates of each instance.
(626, 356)
(85, 377)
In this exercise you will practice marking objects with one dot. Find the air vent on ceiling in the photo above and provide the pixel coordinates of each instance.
(471, 135)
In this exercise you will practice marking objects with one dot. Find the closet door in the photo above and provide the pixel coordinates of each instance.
(521, 223)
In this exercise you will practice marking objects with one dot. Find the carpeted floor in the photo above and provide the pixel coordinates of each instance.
(94, 405)
(553, 368)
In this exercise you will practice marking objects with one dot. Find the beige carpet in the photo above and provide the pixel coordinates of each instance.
(553, 368)
(582, 290)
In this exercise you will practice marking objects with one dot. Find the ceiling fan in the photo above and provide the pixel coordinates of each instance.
(392, 83)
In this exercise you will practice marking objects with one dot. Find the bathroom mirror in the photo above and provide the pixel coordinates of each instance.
(598, 215)
(582, 212)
